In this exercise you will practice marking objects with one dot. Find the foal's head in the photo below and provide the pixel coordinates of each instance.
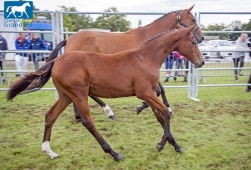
(188, 47)
(187, 20)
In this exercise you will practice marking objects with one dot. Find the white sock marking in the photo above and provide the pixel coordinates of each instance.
(47, 149)
(170, 110)
(108, 110)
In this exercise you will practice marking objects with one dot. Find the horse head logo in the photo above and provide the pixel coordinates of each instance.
(21, 9)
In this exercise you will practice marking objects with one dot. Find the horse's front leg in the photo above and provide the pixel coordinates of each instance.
(159, 91)
(162, 114)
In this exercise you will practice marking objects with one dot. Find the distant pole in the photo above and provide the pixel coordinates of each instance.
(139, 23)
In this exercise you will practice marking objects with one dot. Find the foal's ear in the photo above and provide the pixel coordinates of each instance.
(190, 9)
(191, 28)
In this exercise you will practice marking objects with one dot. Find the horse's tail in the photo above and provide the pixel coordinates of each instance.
(54, 53)
(8, 8)
(31, 82)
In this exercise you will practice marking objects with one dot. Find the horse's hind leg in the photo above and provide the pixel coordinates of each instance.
(88, 122)
(77, 112)
(50, 118)
(105, 107)
(164, 99)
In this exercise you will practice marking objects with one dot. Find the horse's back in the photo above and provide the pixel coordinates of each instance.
(102, 42)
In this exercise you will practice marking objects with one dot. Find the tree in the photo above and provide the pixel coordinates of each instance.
(112, 22)
(247, 26)
(35, 15)
(76, 20)
(83, 21)
(216, 27)
(235, 26)
(67, 20)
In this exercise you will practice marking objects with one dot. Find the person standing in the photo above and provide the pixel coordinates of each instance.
(179, 64)
(169, 65)
(36, 43)
(3, 46)
(21, 59)
(241, 44)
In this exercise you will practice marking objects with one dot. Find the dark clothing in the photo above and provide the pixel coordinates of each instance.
(249, 45)
(169, 61)
(1, 67)
(3, 43)
(22, 45)
(3, 46)
(37, 44)
(236, 61)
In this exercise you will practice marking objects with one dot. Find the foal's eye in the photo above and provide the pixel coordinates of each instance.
(194, 20)
(193, 42)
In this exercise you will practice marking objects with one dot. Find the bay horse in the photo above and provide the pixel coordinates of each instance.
(109, 43)
(132, 72)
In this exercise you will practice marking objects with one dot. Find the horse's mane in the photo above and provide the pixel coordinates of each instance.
(162, 17)
(153, 37)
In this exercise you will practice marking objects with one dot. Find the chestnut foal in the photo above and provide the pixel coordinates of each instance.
(133, 72)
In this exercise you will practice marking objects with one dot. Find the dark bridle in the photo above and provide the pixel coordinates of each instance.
(184, 25)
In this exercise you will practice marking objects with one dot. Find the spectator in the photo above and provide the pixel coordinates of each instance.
(241, 44)
(21, 59)
(3, 46)
(249, 82)
(168, 65)
(179, 64)
(36, 43)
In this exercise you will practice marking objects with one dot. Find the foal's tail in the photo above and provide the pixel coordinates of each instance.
(31, 82)
(54, 53)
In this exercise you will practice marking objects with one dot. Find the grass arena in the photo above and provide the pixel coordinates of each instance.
(214, 133)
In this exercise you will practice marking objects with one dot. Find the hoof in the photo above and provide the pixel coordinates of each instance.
(118, 157)
(171, 113)
(138, 110)
(54, 157)
(179, 150)
(112, 117)
(159, 147)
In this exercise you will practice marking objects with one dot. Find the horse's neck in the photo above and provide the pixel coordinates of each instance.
(167, 22)
(156, 50)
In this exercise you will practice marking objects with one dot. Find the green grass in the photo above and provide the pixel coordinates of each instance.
(214, 133)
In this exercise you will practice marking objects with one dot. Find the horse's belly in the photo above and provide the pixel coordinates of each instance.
(107, 91)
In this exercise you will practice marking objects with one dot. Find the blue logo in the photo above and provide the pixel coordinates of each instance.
(18, 9)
